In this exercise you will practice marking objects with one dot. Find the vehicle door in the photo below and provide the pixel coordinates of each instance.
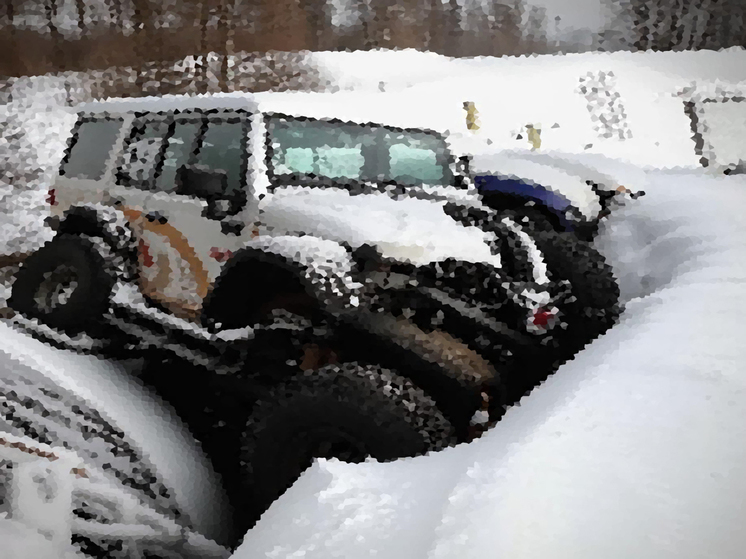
(85, 175)
(187, 234)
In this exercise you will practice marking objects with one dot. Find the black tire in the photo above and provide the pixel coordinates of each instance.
(348, 411)
(80, 259)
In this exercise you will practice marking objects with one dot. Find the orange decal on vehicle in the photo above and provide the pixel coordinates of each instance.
(179, 243)
(147, 259)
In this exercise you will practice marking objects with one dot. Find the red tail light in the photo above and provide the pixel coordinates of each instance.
(541, 318)
(220, 255)
(52, 197)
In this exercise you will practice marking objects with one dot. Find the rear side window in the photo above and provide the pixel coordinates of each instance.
(89, 151)
(338, 152)
(417, 159)
(312, 148)
(222, 149)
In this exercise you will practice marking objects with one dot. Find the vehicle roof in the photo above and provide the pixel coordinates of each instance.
(349, 106)
(235, 100)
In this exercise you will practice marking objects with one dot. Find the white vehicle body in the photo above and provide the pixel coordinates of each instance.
(182, 248)
(134, 450)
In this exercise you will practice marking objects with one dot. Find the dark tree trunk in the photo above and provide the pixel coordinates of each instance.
(641, 19)
(225, 32)
(201, 75)
(80, 9)
(16, 66)
(58, 52)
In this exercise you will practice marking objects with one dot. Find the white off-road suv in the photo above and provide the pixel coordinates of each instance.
(340, 286)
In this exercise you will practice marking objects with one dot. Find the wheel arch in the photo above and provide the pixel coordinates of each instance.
(249, 285)
(513, 194)
(108, 224)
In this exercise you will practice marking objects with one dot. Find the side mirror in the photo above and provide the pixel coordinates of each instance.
(200, 182)
(463, 165)
(463, 171)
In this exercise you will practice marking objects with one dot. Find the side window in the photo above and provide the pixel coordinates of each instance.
(91, 144)
(179, 147)
(322, 149)
(141, 154)
(223, 148)
(415, 161)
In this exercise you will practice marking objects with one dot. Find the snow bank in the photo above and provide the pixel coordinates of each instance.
(512, 92)
(633, 449)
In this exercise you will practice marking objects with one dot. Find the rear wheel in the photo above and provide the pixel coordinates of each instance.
(64, 284)
(347, 411)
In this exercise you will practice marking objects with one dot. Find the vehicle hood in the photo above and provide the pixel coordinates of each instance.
(403, 228)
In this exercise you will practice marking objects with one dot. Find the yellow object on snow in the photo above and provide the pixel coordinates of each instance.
(472, 119)
(534, 135)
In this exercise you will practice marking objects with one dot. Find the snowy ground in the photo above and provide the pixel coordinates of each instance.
(633, 449)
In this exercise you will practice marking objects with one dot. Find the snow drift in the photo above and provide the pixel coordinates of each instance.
(633, 449)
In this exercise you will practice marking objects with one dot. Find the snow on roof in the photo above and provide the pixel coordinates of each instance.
(394, 109)
(236, 100)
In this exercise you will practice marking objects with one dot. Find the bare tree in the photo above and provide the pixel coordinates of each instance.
(445, 27)
(535, 33)
(317, 20)
(16, 66)
(51, 8)
(680, 24)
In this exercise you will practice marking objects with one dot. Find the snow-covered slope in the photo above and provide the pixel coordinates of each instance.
(633, 449)
(544, 91)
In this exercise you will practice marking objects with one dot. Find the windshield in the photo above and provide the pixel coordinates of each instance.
(334, 153)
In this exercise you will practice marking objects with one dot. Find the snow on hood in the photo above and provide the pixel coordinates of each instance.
(632, 449)
(406, 229)
(565, 180)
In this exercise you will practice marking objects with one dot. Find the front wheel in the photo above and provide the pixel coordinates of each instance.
(347, 411)
(64, 284)
(595, 306)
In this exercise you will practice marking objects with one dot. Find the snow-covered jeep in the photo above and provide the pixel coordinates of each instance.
(344, 281)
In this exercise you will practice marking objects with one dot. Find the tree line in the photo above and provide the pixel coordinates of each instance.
(58, 35)
(40, 36)
(686, 25)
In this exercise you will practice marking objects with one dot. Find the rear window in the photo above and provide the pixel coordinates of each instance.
(90, 146)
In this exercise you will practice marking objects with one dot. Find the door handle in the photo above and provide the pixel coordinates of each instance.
(231, 227)
(156, 216)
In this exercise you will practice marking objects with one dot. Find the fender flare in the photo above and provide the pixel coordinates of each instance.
(509, 193)
(271, 266)
(97, 220)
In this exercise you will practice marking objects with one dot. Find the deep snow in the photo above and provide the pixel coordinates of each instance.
(633, 449)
